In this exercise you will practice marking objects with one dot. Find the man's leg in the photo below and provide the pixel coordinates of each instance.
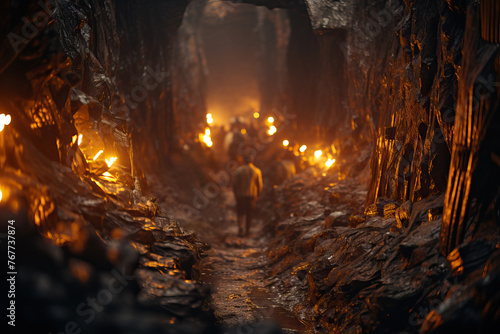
(249, 214)
(240, 215)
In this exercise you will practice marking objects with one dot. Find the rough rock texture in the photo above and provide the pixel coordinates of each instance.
(88, 68)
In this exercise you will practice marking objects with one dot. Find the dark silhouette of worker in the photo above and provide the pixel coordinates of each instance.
(247, 186)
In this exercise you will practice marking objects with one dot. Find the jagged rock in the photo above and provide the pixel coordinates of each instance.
(403, 214)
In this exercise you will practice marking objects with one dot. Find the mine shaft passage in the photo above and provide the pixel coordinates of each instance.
(250, 166)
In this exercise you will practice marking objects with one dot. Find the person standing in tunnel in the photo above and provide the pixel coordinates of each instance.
(247, 186)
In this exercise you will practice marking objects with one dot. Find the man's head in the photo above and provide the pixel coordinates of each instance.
(248, 158)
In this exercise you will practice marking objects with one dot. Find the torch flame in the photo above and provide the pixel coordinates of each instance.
(303, 148)
(4, 120)
(206, 138)
(318, 153)
(329, 162)
(286, 142)
(111, 161)
(210, 118)
(272, 130)
(97, 155)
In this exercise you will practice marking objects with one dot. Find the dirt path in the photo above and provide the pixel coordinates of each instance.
(235, 267)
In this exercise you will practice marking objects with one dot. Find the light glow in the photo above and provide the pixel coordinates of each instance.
(270, 119)
(329, 162)
(210, 118)
(4, 120)
(206, 138)
(303, 148)
(286, 143)
(111, 161)
(272, 130)
(80, 137)
(256, 115)
(318, 153)
(97, 155)
(243, 131)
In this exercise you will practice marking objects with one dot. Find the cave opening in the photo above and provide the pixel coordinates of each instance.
(263, 166)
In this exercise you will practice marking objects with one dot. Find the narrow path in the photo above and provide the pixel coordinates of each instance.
(235, 267)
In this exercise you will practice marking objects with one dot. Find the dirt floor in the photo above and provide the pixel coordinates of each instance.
(234, 267)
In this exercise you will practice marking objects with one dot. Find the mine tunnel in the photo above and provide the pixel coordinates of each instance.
(250, 166)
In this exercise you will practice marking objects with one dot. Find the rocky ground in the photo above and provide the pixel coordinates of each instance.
(320, 260)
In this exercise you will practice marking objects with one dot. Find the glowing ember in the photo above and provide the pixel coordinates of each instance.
(206, 138)
(286, 142)
(210, 118)
(4, 120)
(318, 153)
(303, 148)
(98, 154)
(111, 161)
(272, 130)
(270, 119)
(256, 115)
(329, 162)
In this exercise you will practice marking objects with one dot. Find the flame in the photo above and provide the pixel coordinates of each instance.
(4, 120)
(97, 155)
(111, 161)
(318, 153)
(329, 162)
(80, 137)
(210, 118)
(286, 143)
(206, 138)
(303, 148)
(256, 115)
(272, 130)
(270, 119)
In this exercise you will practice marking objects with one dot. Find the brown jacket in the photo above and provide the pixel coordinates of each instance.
(247, 181)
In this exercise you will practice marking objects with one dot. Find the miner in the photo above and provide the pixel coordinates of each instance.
(247, 185)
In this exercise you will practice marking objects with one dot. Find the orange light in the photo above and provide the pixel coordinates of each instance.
(97, 155)
(318, 153)
(210, 118)
(272, 130)
(329, 162)
(4, 120)
(243, 131)
(270, 119)
(206, 138)
(303, 148)
(1, 195)
(256, 115)
(286, 143)
(111, 161)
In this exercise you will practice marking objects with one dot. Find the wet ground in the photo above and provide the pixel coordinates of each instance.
(235, 268)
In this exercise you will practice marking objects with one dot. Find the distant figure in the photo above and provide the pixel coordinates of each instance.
(247, 186)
